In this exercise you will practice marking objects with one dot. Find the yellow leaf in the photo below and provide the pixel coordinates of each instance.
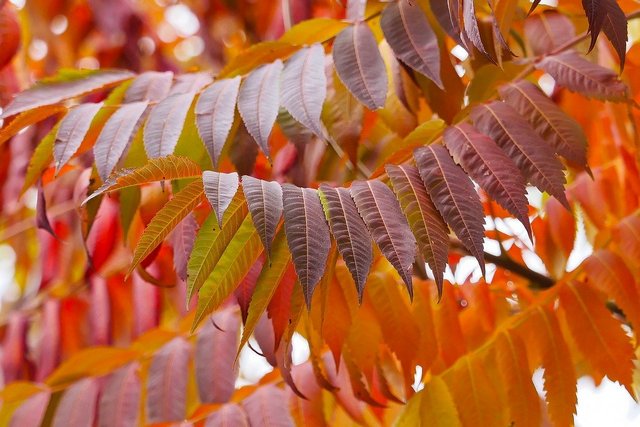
(166, 220)
(432, 406)
(473, 393)
(312, 31)
(91, 362)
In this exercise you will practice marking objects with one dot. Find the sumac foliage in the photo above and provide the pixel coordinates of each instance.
(396, 184)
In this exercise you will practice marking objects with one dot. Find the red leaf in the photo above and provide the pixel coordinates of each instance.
(580, 75)
(9, 34)
(533, 156)
(214, 115)
(487, 165)
(387, 225)
(244, 291)
(259, 100)
(77, 408)
(412, 39)
(307, 235)
(453, 195)
(616, 29)
(350, 233)
(167, 384)
(183, 238)
(220, 189)
(264, 199)
(360, 66)
(120, 398)
(31, 412)
(267, 406)
(230, 414)
(426, 223)
(42, 221)
(215, 354)
(448, 16)
(48, 350)
(547, 31)
(471, 29)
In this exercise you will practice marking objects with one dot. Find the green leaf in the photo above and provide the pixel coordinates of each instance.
(211, 242)
(266, 286)
(233, 265)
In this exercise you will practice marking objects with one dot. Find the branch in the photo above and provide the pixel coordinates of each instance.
(540, 281)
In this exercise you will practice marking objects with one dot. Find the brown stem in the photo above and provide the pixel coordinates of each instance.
(540, 281)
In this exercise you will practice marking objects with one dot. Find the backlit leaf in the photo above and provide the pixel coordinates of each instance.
(174, 211)
(115, 136)
(533, 156)
(349, 231)
(411, 38)
(167, 382)
(490, 167)
(71, 133)
(593, 327)
(31, 411)
(307, 235)
(548, 120)
(435, 400)
(454, 196)
(233, 265)
(160, 169)
(259, 101)
(471, 29)
(220, 189)
(430, 230)
(64, 87)
(608, 272)
(390, 230)
(214, 114)
(266, 286)
(211, 242)
(360, 66)
(183, 238)
(585, 77)
(304, 87)
(27, 118)
(152, 86)
(265, 204)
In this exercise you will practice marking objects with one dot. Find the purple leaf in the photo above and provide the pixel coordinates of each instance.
(215, 352)
(71, 133)
(490, 167)
(387, 225)
(360, 66)
(350, 233)
(533, 156)
(585, 77)
(220, 189)
(167, 383)
(42, 221)
(165, 123)
(547, 31)
(549, 121)
(120, 399)
(412, 39)
(77, 408)
(214, 114)
(183, 238)
(428, 227)
(259, 101)
(116, 135)
(264, 199)
(471, 28)
(453, 195)
(191, 82)
(151, 86)
(31, 412)
(230, 414)
(267, 406)
(307, 235)
(304, 87)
